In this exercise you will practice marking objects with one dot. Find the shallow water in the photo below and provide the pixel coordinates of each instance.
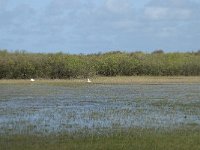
(38, 108)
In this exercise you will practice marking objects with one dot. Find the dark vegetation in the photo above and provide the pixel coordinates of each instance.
(23, 65)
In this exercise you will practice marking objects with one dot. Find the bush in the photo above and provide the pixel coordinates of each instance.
(22, 65)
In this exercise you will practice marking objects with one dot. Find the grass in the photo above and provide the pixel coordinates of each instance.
(141, 139)
(113, 80)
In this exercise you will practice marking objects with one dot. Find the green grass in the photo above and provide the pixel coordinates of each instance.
(182, 139)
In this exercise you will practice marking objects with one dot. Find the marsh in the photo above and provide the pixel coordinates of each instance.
(38, 108)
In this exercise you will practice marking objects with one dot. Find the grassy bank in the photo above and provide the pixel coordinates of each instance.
(147, 79)
(113, 80)
(133, 139)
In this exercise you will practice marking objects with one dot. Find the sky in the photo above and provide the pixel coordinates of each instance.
(92, 26)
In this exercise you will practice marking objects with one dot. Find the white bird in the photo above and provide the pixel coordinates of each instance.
(88, 80)
(32, 80)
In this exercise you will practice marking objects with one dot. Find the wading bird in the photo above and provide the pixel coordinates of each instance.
(88, 80)
(32, 80)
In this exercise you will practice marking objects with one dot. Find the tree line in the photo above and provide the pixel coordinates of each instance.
(23, 65)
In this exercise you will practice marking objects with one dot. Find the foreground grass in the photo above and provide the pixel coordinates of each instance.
(138, 140)
(114, 80)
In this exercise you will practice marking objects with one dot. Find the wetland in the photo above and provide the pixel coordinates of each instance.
(34, 110)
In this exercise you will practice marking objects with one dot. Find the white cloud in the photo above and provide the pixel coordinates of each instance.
(170, 10)
(164, 13)
(119, 6)
(155, 12)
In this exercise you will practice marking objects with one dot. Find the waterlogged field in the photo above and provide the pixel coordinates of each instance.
(99, 110)
(41, 108)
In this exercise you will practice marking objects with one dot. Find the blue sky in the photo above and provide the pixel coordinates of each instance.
(91, 26)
